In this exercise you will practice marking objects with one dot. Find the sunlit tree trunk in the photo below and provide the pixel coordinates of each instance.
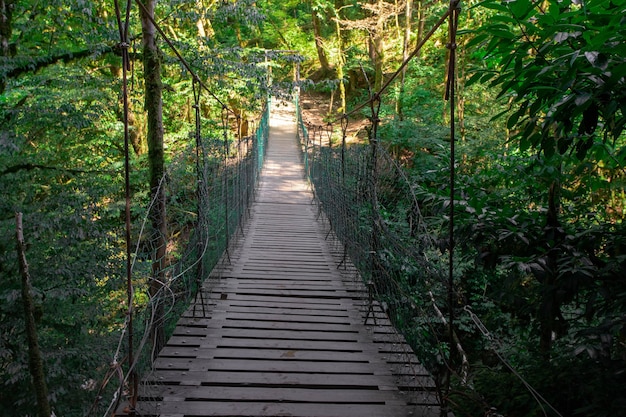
(341, 62)
(205, 29)
(154, 108)
(35, 362)
(460, 90)
(421, 22)
(319, 42)
(377, 47)
(6, 30)
(408, 15)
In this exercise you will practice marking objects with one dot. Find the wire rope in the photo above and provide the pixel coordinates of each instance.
(180, 57)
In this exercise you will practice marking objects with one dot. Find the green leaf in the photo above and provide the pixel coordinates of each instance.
(520, 8)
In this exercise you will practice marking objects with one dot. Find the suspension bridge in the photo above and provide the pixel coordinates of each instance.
(284, 331)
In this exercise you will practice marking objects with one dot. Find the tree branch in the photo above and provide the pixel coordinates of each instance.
(37, 63)
(29, 167)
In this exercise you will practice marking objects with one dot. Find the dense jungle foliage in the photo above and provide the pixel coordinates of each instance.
(540, 162)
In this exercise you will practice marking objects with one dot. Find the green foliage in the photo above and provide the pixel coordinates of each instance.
(563, 66)
(560, 65)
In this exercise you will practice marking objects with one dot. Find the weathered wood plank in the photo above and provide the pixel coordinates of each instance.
(284, 365)
(229, 409)
(266, 379)
(267, 354)
(273, 395)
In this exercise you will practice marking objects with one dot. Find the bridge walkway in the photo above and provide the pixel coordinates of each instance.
(284, 332)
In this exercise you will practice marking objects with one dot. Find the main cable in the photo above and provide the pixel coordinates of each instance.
(180, 57)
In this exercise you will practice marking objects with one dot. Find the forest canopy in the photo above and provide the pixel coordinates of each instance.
(540, 164)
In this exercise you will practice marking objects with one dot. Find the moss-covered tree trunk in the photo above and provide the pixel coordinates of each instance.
(341, 61)
(35, 363)
(408, 15)
(6, 30)
(377, 49)
(154, 109)
(319, 43)
(552, 292)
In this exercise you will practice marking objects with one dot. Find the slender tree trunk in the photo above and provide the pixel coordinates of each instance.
(137, 139)
(35, 363)
(550, 306)
(205, 30)
(377, 47)
(460, 90)
(421, 22)
(6, 30)
(154, 108)
(408, 15)
(341, 62)
(319, 44)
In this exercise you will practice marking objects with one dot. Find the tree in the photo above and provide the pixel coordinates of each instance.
(6, 30)
(563, 67)
(34, 353)
(154, 107)
(316, 10)
(408, 14)
(562, 64)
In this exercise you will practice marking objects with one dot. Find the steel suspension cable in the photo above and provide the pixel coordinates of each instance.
(397, 73)
(123, 27)
(180, 57)
(453, 14)
(200, 184)
(225, 184)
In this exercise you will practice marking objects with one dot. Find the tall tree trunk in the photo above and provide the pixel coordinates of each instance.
(6, 30)
(460, 92)
(154, 108)
(550, 306)
(421, 22)
(377, 47)
(408, 15)
(341, 62)
(35, 363)
(319, 43)
(205, 29)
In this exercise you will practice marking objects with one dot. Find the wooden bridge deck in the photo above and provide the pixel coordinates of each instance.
(284, 332)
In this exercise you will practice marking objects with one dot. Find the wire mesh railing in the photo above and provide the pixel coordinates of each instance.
(375, 223)
(209, 188)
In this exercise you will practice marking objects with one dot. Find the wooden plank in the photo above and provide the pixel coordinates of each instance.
(322, 345)
(242, 333)
(314, 294)
(280, 303)
(267, 379)
(241, 307)
(258, 365)
(244, 324)
(229, 409)
(265, 394)
(254, 352)
(282, 316)
(285, 300)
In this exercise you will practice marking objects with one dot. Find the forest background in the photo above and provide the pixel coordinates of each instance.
(540, 240)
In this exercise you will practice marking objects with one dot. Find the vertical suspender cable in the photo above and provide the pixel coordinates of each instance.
(240, 210)
(225, 192)
(200, 189)
(375, 103)
(450, 97)
(124, 45)
(344, 132)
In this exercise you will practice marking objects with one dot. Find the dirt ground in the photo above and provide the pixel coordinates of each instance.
(315, 113)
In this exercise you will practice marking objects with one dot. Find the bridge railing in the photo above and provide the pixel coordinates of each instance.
(209, 188)
(375, 217)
